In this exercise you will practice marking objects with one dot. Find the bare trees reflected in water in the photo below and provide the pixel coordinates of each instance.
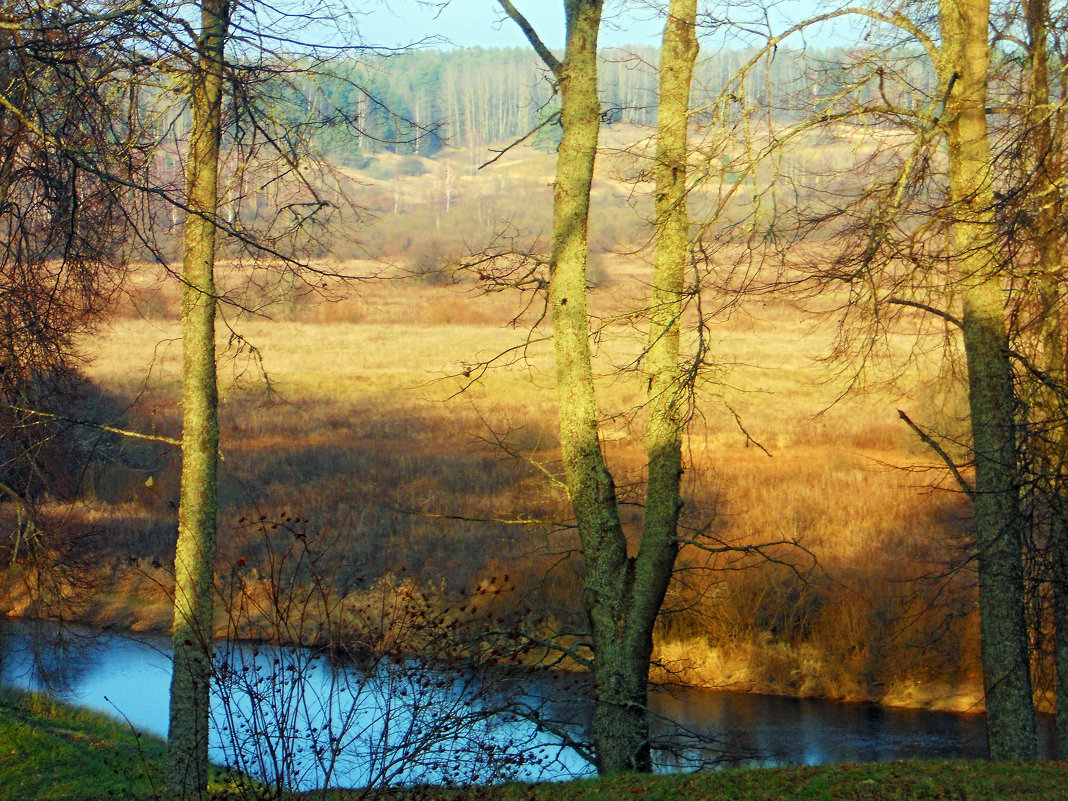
(394, 721)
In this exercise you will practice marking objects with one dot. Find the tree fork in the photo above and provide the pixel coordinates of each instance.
(622, 595)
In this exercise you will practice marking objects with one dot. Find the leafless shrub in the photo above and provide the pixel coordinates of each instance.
(324, 680)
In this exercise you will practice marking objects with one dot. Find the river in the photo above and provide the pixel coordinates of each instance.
(289, 716)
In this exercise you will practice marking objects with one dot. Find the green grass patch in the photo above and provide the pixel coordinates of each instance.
(894, 781)
(51, 751)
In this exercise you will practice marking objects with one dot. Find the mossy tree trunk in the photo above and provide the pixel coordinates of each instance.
(622, 594)
(1042, 168)
(187, 738)
(965, 26)
(630, 628)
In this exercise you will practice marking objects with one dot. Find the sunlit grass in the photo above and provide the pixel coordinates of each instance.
(352, 415)
(51, 751)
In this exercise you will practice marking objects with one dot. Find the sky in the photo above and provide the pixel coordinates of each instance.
(480, 23)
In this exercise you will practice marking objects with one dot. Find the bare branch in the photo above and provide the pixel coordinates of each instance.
(547, 121)
(914, 304)
(933, 445)
(1043, 376)
(99, 426)
(551, 61)
(741, 427)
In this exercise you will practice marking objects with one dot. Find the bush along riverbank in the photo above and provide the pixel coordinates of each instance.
(50, 751)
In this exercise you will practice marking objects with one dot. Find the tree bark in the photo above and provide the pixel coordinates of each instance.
(621, 594)
(187, 738)
(1042, 169)
(1011, 729)
(619, 725)
(668, 395)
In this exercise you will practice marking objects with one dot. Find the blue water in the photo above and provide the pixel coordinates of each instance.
(288, 715)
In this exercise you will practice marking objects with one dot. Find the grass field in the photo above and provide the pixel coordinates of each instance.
(349, 416)
(52, 751)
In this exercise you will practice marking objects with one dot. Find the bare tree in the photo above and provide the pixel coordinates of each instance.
(914, 242)
(63, 254)
(622, 592)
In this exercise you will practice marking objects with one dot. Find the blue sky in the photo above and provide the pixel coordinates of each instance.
(471, 23)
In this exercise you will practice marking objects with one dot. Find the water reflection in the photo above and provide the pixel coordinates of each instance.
(401, 721)
(287, 715)
(770, 730)
(290, 717)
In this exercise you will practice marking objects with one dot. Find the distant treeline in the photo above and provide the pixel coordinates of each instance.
(423, 101)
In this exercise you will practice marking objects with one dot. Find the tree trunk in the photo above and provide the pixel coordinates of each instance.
(1042, 169)
(620, 675)
(668, 397)
(621, 595)
(187, 738)
(1006, 671)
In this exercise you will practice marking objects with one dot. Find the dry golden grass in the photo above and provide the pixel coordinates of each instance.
(349, 416)
(347, 412)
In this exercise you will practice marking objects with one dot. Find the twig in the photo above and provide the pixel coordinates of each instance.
(548, 120)
(741, 427)
(109, 429)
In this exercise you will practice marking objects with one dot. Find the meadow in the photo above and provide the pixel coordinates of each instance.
(827, 556)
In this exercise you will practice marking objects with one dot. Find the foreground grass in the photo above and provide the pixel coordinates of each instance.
(53, 752)
(894, 781)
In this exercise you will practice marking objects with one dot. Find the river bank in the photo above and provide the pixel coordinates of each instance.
(62, 753)
(138, 600)
(783, 669)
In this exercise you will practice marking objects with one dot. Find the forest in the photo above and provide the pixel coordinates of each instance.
(727, 361)
(473, 99)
